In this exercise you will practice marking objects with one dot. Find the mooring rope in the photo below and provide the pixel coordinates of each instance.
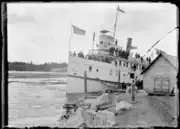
(104, 83)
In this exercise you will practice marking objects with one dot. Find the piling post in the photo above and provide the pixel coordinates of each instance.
(119, 79)
(133, 90)
(85, 83)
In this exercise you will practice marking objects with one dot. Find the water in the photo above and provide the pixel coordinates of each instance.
(36, 101)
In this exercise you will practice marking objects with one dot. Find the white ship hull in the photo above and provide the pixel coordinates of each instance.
(96, 76)
(77, 85)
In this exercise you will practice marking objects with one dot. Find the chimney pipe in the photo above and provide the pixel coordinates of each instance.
(128, 46)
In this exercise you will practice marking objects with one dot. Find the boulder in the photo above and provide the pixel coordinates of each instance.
(88, 117)
(142, 93)
(100, 100)
(76, 119)
(99, 119)
(110, 117)
(122, 106)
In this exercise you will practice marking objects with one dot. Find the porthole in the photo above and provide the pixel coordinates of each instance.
(90, 68)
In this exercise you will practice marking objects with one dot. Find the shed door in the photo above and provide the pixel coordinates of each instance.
(157, 84)
(161, 84)
(165, 85)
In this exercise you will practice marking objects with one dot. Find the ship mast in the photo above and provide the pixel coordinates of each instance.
(115, 23)
(118, 9)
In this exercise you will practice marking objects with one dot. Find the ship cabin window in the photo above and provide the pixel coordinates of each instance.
(117, 72)
(132, 75)
(119, 63)
(124, 64)
(110, 72)
(127, 64)
(132, 64)
(115, 63)
(105, 45)
(90, 68)
(137, 66)
(97, 70)
(101, 42)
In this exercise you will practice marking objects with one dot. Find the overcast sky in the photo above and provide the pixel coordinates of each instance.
(40, 32)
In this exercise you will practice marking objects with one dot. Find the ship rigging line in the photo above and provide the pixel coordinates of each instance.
(162, 38)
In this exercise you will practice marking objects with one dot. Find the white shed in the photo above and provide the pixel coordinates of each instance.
(161, 74)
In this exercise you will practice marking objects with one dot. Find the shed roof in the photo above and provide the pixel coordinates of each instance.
(171, 59)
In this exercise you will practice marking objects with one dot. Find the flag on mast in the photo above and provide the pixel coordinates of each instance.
(93, 36)
(78, 31)
(118, 9)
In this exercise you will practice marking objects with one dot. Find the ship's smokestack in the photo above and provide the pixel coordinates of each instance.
(128, 46)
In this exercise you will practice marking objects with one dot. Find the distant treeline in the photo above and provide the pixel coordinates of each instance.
(23, 66)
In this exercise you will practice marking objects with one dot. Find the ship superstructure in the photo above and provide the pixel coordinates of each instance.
(109, 63)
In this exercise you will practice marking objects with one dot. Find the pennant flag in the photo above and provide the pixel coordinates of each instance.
(133, 47)
(104, 31)
(78, 31)
(93, 36)
(118, 9)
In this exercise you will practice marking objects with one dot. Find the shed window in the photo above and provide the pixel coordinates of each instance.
(90, 68)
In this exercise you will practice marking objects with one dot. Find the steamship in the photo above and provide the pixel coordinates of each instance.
(104, 66)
